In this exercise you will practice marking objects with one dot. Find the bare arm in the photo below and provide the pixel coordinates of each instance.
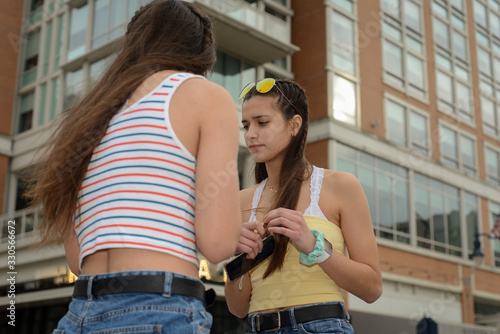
(218, 220)
(359, 273)
(238, 300)
(72, 249)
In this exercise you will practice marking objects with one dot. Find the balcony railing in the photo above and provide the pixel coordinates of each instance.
(250, 16)
(22, 223)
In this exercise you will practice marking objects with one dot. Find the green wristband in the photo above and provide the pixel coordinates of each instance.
(310, 259)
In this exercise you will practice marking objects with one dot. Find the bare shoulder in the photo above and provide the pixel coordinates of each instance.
(340, 182)
(205, 92)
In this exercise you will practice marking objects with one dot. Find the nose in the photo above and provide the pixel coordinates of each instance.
(250, 133)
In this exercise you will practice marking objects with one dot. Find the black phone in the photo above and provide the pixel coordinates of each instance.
(241, 265)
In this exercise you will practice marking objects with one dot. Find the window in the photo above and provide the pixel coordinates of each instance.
(232, 73)
(344, 100)
(472, 219)
(403, 46)
(36, 11)
(31, 57)
(437, 213)
(494, 215)
(407, 127)
(344, 57)
(457, 150)
(97, 69)
(26, 112)
(74, 88)
(59, 42)
(48, 47)
(453, 87)
(386, 188)
(487, 18)
(344, 60)
(492, 166)
(110, 19)
(54, 98)
(77, 32)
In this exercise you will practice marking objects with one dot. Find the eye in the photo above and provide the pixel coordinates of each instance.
(245, 127)
(263, 123)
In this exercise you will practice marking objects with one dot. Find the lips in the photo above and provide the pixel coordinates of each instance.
(254, 147)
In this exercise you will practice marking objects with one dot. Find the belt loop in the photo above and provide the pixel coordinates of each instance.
(293, 321)
(346, 313)
(89, 288)
(167, 285)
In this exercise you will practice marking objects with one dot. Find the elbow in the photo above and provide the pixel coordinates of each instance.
(374, 294)
(218, 253)
(239, 312)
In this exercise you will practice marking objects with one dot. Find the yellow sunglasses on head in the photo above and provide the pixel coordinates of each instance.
(263, 86)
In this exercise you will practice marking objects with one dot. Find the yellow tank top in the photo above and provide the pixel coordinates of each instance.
(297, 283)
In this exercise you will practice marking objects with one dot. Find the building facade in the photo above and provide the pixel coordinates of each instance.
(404, 94)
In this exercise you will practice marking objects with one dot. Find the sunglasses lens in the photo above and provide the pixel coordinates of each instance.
(265, 85)
(246, 89)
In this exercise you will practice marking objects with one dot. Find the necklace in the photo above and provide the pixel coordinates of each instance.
(273, 189)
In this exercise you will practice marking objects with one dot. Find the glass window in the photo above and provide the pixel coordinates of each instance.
(468, 155)
(386, 189)
(346, 5)
(48, 47)
(110, 18)
(493, 166)
(60, 34)
(393, 59)
(74, 88)
(472, 220)
(412, 15)
(344, 100)
(459, 45)
(97, 69)
(26, 112)
(449, 146)
(416, 76)
(480, 13)
(77, 32)
(441, 33)
(403, 46)
(396, 123)
(232, 73)
(54, 98)
(438, 216)
(43, 99)
(464, 101)
(31, 57)
(484, 61)
(445, 91)
(343, 43)
(418, 131)
(489, 116)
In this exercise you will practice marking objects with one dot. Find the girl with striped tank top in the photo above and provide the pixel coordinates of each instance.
(140, 176)
(315, 215)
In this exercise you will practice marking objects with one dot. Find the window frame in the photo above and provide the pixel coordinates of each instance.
(406, 33)
(459, 133)
(408, 110)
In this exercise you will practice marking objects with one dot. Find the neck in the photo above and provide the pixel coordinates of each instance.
(273, 173)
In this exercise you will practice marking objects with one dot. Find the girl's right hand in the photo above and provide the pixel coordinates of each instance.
(251, 239)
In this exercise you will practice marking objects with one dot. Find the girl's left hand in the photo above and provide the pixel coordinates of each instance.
(291, 223)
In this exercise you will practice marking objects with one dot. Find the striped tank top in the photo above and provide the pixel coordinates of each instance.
(139, 188)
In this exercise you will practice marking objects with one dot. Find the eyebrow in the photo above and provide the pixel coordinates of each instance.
(255, 117)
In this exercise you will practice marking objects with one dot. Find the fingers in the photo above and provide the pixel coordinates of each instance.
(251, 239)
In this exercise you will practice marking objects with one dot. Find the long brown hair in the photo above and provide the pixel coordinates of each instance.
(163, 35)
(294, 165)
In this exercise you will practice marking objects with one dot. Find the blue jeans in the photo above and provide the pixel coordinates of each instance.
(323, 326)
(133, 313)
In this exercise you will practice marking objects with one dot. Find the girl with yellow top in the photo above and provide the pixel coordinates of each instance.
(316, 215)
